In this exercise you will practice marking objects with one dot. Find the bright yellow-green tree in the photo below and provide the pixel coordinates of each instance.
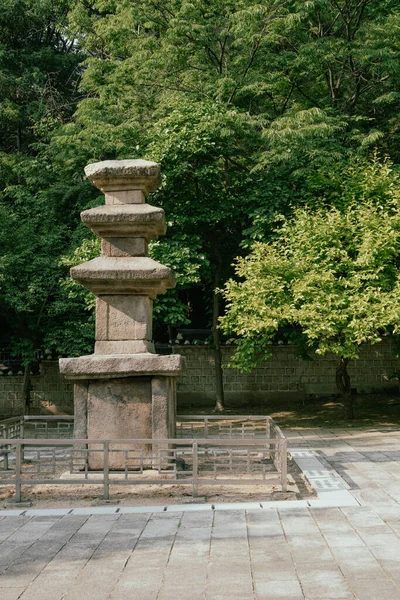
(332, 274)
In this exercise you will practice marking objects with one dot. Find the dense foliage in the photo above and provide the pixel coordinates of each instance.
(252, 108)
(39, 74)
(333, 275)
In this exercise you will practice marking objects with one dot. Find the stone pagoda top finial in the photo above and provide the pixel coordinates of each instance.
(125, 175)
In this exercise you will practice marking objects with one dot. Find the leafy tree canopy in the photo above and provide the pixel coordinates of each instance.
(39, 74)
(332, 274)
(252, 109)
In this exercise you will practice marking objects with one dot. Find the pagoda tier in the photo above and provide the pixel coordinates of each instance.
(124, 389)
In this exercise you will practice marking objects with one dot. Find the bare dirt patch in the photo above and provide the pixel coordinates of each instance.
(77, 495)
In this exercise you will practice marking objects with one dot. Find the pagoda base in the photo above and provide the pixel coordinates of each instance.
(123, 397)
(124, 408)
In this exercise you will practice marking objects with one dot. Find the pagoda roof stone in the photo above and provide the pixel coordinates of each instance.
(113, 175)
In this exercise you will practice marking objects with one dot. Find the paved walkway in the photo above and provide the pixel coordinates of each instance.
(261, 554)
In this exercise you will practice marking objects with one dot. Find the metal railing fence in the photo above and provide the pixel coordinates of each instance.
(208, 449)
(37, 427)
(227, 426)
(143, 462)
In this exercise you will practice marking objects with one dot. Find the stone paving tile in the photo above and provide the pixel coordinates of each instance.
(386, 511)
(364, 519)
(278, 590)
(343, 540)
(266, 572)
(144, 571)
(358, 562)
(392, 570)
(381, 539)
(10, 526)
(20, 541)
(244, 554)
(323, 581)
(309, 548)
(229, 571)
(336, 529)
(49, 585)
(375, 590)
(189, 555)
(74, 555)
(394, 525)
(296, 522)
(27, 566)
(101, 573)
(173, 592)
(11, 593)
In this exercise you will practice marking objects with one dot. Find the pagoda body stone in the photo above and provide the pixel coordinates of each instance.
(124, 390)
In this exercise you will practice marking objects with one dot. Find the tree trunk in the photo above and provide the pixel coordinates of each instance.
(26, 390)
(219, 384)
(344, 388)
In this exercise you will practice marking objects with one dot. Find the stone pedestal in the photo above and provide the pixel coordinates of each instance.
(124, 390)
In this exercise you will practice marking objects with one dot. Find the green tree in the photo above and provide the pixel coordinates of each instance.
(251, 108)
(332, 275)
(315, 79)
(204, 195)
(39, 74)
(247, 106)
(183, 256)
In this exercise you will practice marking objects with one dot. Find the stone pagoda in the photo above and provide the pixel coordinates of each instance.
(124, 389)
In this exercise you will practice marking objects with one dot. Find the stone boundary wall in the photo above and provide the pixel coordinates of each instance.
(51, 393)
(283, 377)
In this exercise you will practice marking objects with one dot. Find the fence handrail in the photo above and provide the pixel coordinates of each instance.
(205, 419)
(36, 418)
(223, 417)
(47, 418)
(10, 420)
(155, 441)
(274, 448)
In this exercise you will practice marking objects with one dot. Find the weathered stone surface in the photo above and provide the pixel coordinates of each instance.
(97, 366)
(118, 408)
(124, 317)
(119, 247)
(116, 175)
(125, 197)
(127, 390)
(124, 347)
(163, 390)
(134, 275)
(126, 220)
(80, 409)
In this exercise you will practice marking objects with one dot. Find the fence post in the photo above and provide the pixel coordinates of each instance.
(195, 470)
(268, 434)
(106, 450)
(283, 461)
(22, 435)
(18, 472)
(206, 427)
(6, 448)
(5, 461)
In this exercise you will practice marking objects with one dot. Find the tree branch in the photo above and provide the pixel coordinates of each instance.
(256, 46)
